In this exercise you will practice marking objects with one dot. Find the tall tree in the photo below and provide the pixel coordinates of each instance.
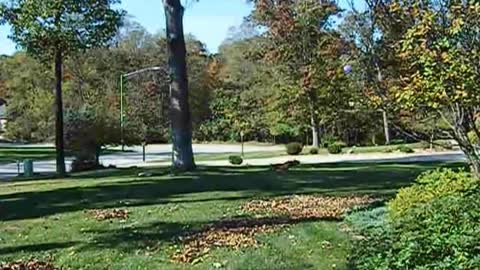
(301, 43)
(51, 30)
(442, 50)
(179, 104)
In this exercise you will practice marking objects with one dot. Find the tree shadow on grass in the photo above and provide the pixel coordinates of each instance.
(36, 247)
(160, 233)
(235, 182)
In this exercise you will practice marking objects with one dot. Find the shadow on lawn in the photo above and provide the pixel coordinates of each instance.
(151, 235)
(238, 183)
(36, 247)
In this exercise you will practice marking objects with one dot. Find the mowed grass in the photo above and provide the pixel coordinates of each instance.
(47, 218)
(14, 154)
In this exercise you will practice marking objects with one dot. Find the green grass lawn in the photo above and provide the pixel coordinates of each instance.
(12, 154)
(47, 218)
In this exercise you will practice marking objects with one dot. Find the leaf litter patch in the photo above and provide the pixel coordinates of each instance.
(270, 216)
(308, 207)
(28, 265)
(108, 214)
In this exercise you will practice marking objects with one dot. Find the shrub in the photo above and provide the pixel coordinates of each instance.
(235, 160)
(367, 221)
(431, 185)
(405, 149)
(313, 151)
(294, 148)
(441, 234)
(334, 148)
(327, 140)
(444, 144)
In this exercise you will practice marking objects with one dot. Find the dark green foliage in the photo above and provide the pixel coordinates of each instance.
(313, 151)
(405, 149)
(86, 131)
(235, 160)
(335, 148)
(294, 148)
(436, 229)
(442, 234)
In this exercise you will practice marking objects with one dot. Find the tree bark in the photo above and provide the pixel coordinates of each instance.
(385, 127)
(179, 105)
(59, 140)
(315, 130)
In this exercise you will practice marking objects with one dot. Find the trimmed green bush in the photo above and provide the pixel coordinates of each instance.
(433, 224)
(335, 149)
(430, 185)
(405, 149)
(442, 234)
(313, 151)
(235, 160)
(294, 148)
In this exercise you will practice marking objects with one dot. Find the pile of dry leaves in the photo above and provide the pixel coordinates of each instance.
(271, 215)
(106, 214)
(307, 207)
(28, 265)
(235, 233)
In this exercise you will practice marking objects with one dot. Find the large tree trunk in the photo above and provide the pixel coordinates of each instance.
(179, 106)
(385, 127)
(315, 130)
(59, 140)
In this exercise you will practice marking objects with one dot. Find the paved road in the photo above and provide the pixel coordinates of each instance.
(318, 159)
(162, 155)
(159, 153)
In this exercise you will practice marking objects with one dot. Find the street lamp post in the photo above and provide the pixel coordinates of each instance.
(123, 77)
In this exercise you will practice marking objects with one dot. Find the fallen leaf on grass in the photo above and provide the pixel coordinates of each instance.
(307, 207)
(234, 233)
(106, 214)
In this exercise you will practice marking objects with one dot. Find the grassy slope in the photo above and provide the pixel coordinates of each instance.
(42, 218)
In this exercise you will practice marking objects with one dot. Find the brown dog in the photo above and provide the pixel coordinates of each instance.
(285, 166)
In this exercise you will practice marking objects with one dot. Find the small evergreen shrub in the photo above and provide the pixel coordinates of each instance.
(335, 149)
(235, 160)
(314, 151)
(405, 149)
(294, 148)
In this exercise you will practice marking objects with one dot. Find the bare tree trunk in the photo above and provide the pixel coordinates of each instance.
(59, 140)
(315, 130)
(179, 106)
(385, 127)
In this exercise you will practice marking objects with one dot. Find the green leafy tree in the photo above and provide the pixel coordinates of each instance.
(51, 30)
(442, 49)
(302, 44)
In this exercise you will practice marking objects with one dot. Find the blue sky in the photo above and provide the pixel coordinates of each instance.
(208, 20)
